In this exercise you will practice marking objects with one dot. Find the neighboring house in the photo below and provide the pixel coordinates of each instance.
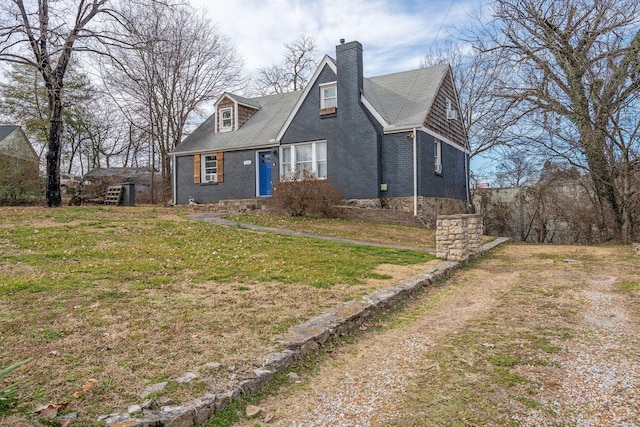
(141, 177)
(17, 153)
(396, 136)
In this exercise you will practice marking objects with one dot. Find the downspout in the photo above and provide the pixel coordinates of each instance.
(415, 173)
(466, 174)
(173, 179)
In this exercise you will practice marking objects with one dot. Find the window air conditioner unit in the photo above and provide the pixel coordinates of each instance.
(438, 167)
(452, 115)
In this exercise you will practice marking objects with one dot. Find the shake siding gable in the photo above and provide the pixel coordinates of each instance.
(436, 119)
(244, 114)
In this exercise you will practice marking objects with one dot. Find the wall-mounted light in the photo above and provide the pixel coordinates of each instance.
(410, 135)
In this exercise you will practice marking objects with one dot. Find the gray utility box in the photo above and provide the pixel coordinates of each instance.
(128, 194)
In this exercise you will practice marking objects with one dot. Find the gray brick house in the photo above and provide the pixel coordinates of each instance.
(378, 139)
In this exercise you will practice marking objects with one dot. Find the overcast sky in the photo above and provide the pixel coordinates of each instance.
(395, 34)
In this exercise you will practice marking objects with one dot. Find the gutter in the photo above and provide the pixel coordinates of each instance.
(213, 150)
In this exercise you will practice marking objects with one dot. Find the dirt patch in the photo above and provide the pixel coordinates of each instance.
(530, 336)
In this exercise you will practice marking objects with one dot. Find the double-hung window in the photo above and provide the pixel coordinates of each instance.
(311, 157)
(437, 154)
(209, 168)
(328, 95)
(226, 121)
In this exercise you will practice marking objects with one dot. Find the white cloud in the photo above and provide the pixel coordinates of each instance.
(395, 34)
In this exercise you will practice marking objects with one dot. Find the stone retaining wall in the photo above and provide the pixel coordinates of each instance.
(387, 216)
(400, 210)
(458, 237)
(296, 343)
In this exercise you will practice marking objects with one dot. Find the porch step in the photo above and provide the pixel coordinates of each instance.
(240, 205)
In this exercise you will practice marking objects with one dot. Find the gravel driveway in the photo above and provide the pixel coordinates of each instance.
(567, 331)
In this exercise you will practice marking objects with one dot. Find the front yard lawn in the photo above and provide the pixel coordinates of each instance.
(127, 297)
(391, 234)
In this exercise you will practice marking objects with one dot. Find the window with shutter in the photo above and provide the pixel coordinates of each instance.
(196, 168)
(208, 168)
(220, 173)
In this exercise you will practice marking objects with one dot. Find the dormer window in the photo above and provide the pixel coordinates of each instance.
(328, 99)
(226, 122)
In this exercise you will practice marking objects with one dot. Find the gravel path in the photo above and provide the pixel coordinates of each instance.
(365, 383)
(601, 381)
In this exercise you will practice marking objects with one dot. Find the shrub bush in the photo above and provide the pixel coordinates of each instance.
(19, 183)
(305, 194)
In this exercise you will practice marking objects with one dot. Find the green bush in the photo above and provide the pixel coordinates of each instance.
(9, 390)
(305, 194)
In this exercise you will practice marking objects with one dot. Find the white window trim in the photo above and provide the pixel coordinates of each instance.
(314, 157)
(203, 170)
(322, 98)
(437, 153)
(221, 119)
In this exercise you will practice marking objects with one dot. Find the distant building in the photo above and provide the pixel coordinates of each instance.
(18, 159)
(141, 177)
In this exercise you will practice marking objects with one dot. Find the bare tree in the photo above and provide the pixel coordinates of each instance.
(517, 168)
(46, 36)
(180, 62)
(90, 134)
(477, 77)
(293, 73)
(574, 67)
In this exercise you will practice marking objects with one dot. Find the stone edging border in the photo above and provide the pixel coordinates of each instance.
(297, 342)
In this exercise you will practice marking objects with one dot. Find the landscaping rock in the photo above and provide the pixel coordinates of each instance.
(165, 401)
(253, 411)
(186, 377)
(212, 366)
(68, 419)
(293, 376)
(153, 389)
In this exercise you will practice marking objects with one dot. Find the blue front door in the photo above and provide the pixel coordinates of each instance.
(264, 173)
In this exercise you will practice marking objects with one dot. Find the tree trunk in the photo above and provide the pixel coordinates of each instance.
(593, 143)
(627, 214)
(52, 193)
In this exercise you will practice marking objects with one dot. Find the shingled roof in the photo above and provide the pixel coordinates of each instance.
(260, 130)
(401, 99)
(6, 130)
(404, 99)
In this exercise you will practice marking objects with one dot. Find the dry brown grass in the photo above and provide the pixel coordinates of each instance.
(127, 333)
(529, 335)
(392, 234)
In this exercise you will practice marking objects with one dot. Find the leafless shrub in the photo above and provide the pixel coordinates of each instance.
(19, 182)
(305, 194)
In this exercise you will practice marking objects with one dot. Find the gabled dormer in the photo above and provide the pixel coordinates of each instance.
(232, 111)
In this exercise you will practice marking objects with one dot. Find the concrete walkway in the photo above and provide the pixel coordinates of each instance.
(215, 219)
